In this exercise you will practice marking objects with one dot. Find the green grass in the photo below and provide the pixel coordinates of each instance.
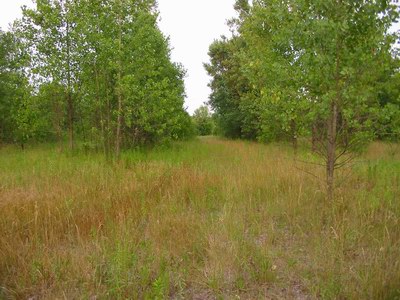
(206, 219)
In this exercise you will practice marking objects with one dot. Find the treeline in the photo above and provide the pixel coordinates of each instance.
(96, 71)
(323, 69)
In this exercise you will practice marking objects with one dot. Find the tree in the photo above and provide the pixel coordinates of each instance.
(345, 48)
(203, 121)
(48, 31)
(307, 64)
(388, 90)
(14, 92)
(110, 64)
(228, 86)
(6, 90)
(272, 65)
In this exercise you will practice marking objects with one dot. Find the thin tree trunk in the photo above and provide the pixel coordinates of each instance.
(332, 127)
(331, 150)
(100, 109)
(314, 138)
(70, 121)
(295, 143)
(119, 124)
(108, 125)
(119, 92)
(70, 102)
(57, 119)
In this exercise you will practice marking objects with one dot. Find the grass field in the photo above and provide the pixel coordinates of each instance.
(206, 219)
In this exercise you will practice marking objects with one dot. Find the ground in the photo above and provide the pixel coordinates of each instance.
(205, 219)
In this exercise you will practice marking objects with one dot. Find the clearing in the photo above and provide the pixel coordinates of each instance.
(205, 219)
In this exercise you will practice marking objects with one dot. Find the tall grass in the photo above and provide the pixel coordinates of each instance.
(202, 220)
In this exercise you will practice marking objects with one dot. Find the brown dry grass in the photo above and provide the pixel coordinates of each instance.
(204, 220)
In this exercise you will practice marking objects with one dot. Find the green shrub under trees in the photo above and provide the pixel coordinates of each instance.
(98, 71)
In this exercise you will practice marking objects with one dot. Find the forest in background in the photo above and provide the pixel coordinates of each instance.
(101, 70)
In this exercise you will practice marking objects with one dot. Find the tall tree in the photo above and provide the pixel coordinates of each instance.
(112, 65)
(49, 32)
(14, 91)
(346, 47)
(203, 121)
(307, 64)
(229, 85)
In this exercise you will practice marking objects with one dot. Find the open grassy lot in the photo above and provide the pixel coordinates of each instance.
(207, 219)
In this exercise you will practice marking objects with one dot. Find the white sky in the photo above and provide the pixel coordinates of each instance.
(192, 25)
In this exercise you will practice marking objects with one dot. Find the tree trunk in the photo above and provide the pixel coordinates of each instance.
(294, 136)
(331, 150)
(332, 126)
(70, 121)
(108, 125)
(119, 92)
(314, 138)
(57, 118)
(70, 102)
(119, 125)
(100, 109)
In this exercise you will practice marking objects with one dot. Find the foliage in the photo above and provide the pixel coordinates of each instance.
(298, 66)
(99, 71)
(388, 89)
(227, 86)
(16, 119)
(203, 121)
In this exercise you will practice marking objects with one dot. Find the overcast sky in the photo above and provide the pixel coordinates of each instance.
(192, 25)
